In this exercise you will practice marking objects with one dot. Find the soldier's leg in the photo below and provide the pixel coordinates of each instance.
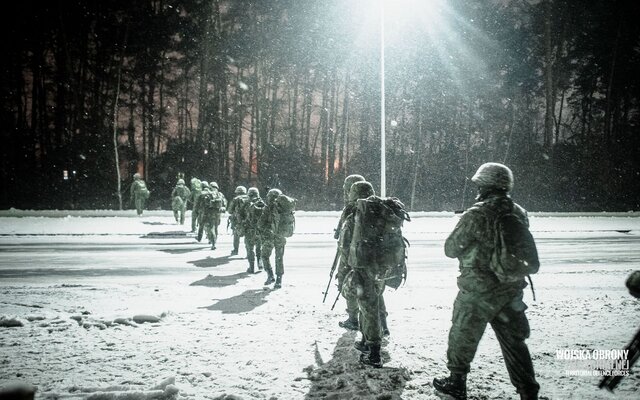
(176, 215)
(512, 328)
(279, 245)
(348, 292)
(258, 246)
(249, 244)
(194, 220)
(368, 302)
(266, 249)
(383, 315)
(139, 205)
(468, 324)
(212, 236)
(183, 211)
(236, 243)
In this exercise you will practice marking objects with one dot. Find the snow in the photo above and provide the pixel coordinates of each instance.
(107, 305)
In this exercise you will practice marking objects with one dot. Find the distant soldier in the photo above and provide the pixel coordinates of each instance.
(250, 217)
(235, 208)
(179, 197)
(352, 302)
(275, 225)
(484, 298)
(211, 204)
(196, 188)
(198, 208)
(139, 193)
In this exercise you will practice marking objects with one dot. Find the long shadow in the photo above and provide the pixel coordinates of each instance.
(211, 262)
(183, 251)
(345, 378)
(220, 281)
(245, 302)
(157, 223)
(165, 235)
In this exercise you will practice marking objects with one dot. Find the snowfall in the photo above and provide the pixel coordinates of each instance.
(109, 305)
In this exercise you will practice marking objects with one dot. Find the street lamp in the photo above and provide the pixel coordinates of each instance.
(383, 147)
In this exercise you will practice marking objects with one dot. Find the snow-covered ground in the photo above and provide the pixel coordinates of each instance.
(110, 305)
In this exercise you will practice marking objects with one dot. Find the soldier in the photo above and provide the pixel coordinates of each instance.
(235, 207)
(211, 204)
(352, 303)
(179, 198)
(270, 239)
(482, 297)
(250, 225)
(363, 284)
(139, 192)
(196, 189)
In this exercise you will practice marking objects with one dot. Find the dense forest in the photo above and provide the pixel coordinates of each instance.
(287, 93)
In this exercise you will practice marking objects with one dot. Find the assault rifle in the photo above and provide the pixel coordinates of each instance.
(333, 269)
(610, 382)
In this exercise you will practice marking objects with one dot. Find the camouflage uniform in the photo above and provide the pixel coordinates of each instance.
(196, 189)
(251, 237)
(483, 299)
(270, 239)
(343, 248)
(179, 198)
(137, 191)
(234, 217)
(210, 217)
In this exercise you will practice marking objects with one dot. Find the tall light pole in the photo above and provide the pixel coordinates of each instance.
(383, 156)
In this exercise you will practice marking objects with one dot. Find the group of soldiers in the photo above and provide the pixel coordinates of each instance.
(250, 216)
(482, 298)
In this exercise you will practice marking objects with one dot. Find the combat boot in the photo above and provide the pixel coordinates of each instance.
(372, 357)
(361, 346)
(234, 252)
(278, 284)
(251, 269)
(270, 279)
(529, 396)
(383, 325)
(455, 386)
(350, 323)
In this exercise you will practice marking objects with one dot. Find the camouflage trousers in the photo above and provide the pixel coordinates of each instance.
(268, 244)
(251, 242)
(179, 209)
(347, 289)
(139, 203)
(369, 292)
(505, 312)
(209, 225)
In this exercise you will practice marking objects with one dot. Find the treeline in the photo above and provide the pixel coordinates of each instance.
(287, 93)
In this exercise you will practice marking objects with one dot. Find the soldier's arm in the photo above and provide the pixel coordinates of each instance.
(464, 234)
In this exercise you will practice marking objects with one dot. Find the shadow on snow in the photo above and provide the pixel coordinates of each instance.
(245, 302)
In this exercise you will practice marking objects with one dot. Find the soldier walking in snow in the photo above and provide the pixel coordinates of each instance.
(484, 298)
(343, 248)
(235, 208)
(139, 193)
(250, 217)
(275, 225)
(371, 231)
(179, 197)
(210, 205)
(196, 189)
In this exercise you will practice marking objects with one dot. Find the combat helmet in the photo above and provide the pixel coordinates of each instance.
(361, 190)
(214, 184)
(348, 181)
(253, 192)
(137, 176)
(181, 181)
(272, 195)
(204, 184)
(494, 176)
(240, 190)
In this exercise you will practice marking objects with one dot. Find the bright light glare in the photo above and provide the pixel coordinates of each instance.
(401, 15)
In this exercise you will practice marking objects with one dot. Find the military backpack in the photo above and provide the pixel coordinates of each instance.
(285, 220)
(515, 255)
(377, 243)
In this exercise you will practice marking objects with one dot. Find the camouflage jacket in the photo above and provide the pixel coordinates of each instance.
(182, 191)
(472, 242)
(267, 222)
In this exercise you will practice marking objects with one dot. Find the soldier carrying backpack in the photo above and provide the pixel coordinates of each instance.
(250, 213)
(139, 193)
(275, 225)
(377, 254)
(496, 252)
(235, 209)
